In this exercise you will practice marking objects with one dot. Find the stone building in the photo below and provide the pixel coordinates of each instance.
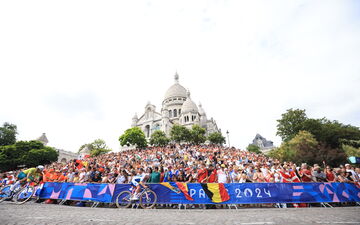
(177, 108)
(262, 143)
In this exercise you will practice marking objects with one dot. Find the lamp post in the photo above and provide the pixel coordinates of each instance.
(227, 133)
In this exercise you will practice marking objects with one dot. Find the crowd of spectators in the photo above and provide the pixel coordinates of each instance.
(192, 164)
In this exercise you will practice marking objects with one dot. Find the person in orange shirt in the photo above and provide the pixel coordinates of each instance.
(62, 177)
(54, 176)
(47, 175)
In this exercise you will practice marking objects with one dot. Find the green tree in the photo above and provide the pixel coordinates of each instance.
(216, 138)
(328, 133)
(133, 136)
(284, 153)
(303, 143)
(305, 148)
(42, 156)
(197, 135)
(333, 133)
(351, 151)
(180, 133)
(253, 148)
(97, 147)
(8, 134)
(158, 138)
(291, 123)
(28, 153)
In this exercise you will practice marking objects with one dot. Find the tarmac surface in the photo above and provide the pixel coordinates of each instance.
(35, 213)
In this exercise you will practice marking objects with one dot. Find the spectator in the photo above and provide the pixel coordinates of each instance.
(202, 174)
(318, 175)
(222, 175)
(305, 173)
(330, 175)
(155, 176)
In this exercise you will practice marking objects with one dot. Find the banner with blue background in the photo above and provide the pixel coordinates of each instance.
(239, 193)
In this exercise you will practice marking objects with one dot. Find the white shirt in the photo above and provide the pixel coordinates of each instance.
(222, 177)
(120, 179)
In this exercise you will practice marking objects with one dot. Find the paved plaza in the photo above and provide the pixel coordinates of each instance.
(32, 213)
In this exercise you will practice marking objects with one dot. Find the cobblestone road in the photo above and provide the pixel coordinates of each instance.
(32, 213)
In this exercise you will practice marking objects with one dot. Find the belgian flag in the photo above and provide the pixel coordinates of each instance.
(216, 192)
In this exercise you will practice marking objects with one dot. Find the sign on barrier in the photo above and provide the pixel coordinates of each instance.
(195, 193)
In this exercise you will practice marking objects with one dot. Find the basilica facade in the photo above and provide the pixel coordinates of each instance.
(177, 108)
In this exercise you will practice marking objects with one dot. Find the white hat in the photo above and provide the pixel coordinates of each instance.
(40, 167)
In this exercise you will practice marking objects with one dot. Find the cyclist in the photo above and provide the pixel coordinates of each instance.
(8, 178)
(137, 182)
(32, 174)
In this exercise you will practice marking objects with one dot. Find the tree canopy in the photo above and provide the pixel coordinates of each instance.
(26, 153)
(253, 148)
(314, 140)
(197, 135)
(8, 134)
(97, 147)
(133, 136)
(180, 133)
(329, 133)
(158, 138)
(216, 138)
(291, 123)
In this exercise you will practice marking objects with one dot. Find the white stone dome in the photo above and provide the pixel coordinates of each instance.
(189, 105)
(176, 90)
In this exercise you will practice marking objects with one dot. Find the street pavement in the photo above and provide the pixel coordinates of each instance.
(34, 213)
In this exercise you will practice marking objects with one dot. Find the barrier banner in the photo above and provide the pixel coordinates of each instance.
(78, 191)
(194, 193)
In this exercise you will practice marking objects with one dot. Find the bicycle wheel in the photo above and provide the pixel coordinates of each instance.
(5, 193)
(123, 199)
(148, 199)
(24, 195)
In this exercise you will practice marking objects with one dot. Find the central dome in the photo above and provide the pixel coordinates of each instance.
(176, 90)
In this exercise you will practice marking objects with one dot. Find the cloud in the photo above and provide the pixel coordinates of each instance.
(79, 70)
(75, 105)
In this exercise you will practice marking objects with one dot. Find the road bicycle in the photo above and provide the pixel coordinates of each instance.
(147, 198)
(7, 194)
(26, 193)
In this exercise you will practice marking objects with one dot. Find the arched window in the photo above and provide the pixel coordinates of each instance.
(179, 112)
(170, 113)
(175, 113)
(147, 130)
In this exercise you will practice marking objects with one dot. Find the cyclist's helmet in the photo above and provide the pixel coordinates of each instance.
(40, 167)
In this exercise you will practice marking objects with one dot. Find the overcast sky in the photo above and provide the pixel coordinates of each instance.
(79, 70)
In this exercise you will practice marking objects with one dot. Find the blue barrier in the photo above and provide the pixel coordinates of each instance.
(239, 193)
